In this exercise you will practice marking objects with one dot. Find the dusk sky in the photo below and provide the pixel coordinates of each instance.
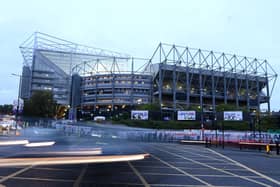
(247, 28)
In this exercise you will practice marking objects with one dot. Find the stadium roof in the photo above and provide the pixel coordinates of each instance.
(63, 53)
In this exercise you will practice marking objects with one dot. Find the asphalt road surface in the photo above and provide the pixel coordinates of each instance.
(169, 164)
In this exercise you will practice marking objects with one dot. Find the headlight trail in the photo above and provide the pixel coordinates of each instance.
(69, 160)
(96, 151)
(39, 144)
(14, 142)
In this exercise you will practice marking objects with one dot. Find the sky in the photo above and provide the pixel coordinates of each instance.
(247, 28)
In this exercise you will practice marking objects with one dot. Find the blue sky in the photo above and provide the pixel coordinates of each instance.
(249, 28)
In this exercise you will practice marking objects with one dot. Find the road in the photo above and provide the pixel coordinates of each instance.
(169, 164)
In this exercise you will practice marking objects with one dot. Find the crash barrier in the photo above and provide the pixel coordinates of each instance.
(269, 147)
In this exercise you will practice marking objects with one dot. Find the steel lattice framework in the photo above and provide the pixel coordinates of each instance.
(61, 51)
(235, 77)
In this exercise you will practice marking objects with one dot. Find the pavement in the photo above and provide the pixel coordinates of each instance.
(169, 164)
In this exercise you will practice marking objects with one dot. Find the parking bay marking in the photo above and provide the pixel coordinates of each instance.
(15, 173)
(142, 179)
(181, 171)
(245, 167)
(214, 168)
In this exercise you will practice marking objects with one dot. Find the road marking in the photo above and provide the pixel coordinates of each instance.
(42, 179)
(247, 168)
(204, 156)
(154, 167)
(79, 179)
(182, 171)
(142, 179)
(183, 185)
(15, 174)
(52, 169)
(153, 173)
(227, 176)
(214, 168)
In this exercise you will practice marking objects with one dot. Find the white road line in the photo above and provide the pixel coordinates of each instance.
(204, 156)
(152, 173)
(247, 168)
(227, 176)
(142, 179)
(182, 171)
(183, 185)
(15, 174)
(79, 179)
(42, 179)
(52, 169)
(214, 168)
(154, 167)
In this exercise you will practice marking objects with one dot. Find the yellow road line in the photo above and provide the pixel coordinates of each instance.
(142, 179)
(247, 168)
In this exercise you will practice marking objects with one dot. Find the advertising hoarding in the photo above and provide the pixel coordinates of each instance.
(233, 115)
(186, 115)
(140, 114)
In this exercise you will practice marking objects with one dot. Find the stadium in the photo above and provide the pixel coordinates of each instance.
(174, 77)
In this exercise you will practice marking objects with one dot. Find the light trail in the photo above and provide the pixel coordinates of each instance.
(40, 144)
(14, 142)
(96, 151)
(69, 160)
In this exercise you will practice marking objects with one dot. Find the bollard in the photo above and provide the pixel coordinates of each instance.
(206, 142)
(267, 148)
(277, 148)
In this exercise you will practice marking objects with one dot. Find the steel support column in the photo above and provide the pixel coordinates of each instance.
(187, 87)
(236, 91)
(201, 98)
(213, 90)
(174, 87)
(160, 87)
(247, 94)
(225, 88)
(268, 94)
(258, 93)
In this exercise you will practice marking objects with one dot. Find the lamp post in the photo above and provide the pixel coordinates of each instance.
(17, 109)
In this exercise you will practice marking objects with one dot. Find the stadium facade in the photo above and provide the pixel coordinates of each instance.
(175, 77)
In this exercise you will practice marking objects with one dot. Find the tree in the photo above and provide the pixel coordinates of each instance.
(6, 109)
(41, 104)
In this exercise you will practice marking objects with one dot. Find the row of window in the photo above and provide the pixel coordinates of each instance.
(116, 77)
(115, 82)
(109, 91)
(118, 100)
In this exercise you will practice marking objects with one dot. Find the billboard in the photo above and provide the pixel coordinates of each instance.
(233, 115)
(140, 114)
(186, 115)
